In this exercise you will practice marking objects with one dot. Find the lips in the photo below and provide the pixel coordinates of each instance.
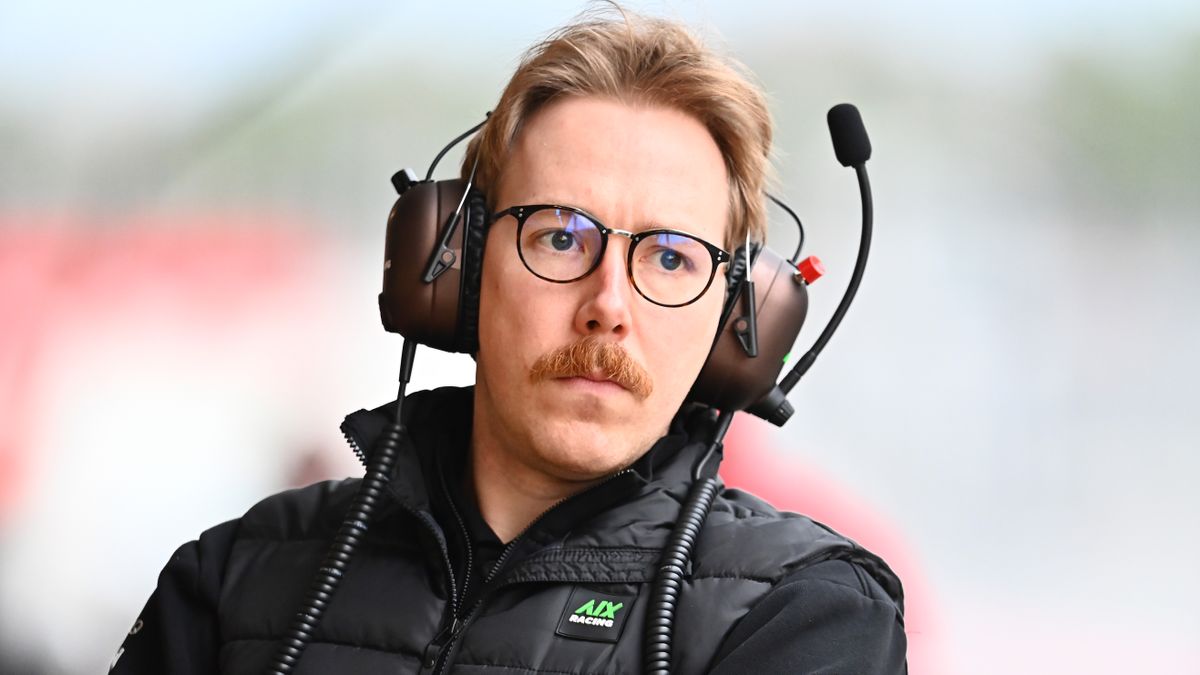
(596, 380)
(600, 377)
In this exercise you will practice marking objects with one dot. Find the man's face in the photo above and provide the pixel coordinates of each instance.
(634, 168)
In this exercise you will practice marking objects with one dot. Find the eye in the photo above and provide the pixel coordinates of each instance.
(560, 232)
(557, 240)
(669, 253)
(669, 259)
(561, 240)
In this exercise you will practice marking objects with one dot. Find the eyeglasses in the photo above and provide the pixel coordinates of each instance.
(564, 244)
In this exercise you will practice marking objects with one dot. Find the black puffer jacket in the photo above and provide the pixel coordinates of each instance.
(768, 592)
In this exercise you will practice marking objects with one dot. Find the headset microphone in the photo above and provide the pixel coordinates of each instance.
(750, 349)
(850, 142)
(852, 148)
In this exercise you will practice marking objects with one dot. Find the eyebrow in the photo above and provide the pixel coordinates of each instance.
(652, 225)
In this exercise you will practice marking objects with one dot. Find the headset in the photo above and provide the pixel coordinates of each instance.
(433, 260)
(433, 257)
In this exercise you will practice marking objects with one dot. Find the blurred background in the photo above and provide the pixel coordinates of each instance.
(192, 202)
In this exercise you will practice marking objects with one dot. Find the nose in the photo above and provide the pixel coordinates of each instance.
(608, 295)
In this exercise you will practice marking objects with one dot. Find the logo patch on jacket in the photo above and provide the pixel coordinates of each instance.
(594, 616)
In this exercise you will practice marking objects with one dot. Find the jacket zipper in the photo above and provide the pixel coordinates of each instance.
(461, 626)
(435, 649)
(463, 532)
(358, 451)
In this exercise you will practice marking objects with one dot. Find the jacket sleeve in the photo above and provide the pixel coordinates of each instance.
(176, 632)
(828, 618)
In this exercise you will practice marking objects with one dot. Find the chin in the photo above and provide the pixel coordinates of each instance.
(580, 450)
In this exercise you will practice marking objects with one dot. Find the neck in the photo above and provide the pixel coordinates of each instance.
(510, 492)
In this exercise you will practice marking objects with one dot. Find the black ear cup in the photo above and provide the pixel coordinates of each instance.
(735, 274)
(442, 313)
(474, 239)
(730, 380)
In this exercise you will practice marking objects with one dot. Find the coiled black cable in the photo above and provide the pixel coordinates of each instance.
(660, 616)
(345, 542)
(672, 567)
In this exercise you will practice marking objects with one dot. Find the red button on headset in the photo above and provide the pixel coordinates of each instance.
(811, 269)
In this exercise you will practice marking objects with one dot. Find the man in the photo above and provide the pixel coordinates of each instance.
(522, 528)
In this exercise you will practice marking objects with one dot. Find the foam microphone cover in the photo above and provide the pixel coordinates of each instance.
(850, 142)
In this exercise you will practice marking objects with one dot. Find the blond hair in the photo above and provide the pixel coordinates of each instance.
(641, 60)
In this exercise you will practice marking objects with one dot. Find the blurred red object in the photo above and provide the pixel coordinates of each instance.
(62, 275)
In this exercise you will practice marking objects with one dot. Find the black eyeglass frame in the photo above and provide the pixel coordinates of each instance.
(524, 211)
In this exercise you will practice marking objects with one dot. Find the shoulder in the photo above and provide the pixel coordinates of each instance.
(826, 604)
(305, 512)
(747, 537)
(302, 513)
(747, 531)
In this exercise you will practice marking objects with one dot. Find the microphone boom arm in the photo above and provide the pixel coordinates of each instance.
(860, 264)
